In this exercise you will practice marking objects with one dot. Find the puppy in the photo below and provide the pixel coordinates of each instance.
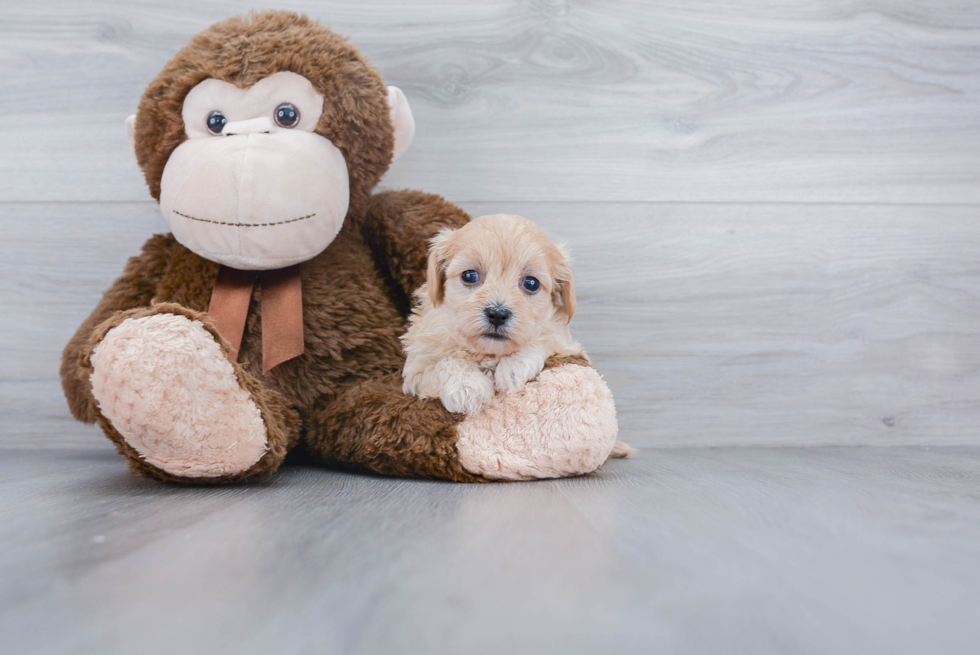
(495, 306)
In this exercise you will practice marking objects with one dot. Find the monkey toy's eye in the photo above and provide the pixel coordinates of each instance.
(470, 277)
(531, 284)
(287, 115)
(216, 122)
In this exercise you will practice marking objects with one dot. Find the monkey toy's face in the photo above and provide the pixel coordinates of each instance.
(254, 187)
(260, 137)
(254, 175)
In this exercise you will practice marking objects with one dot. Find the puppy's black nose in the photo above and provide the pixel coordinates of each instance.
(497, 314)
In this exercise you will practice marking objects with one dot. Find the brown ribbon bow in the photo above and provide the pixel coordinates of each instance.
(282, 311)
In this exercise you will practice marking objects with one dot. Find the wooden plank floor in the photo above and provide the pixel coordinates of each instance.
(818, 550)
(773, 209)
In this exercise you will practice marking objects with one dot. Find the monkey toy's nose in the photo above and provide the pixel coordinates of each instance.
(497, 314)
(262, 125)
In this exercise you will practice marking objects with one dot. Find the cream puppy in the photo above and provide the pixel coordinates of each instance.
(496, 305)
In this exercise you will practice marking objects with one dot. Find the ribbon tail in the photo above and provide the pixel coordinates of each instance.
(282, 316)
(228, 308)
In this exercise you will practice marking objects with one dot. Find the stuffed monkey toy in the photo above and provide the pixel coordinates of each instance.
(268, 320)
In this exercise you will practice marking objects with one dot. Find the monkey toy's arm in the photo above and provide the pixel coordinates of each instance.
(563, 423)
(134, 288)
(398, 227)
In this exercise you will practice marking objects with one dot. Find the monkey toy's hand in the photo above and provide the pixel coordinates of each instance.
(561, 423)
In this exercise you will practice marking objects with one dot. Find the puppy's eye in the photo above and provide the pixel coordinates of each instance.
(287, 115)
(216, 122)
(470, 277)
(531, 284)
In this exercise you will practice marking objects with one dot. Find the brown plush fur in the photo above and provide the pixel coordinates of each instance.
(402, 224)
(352, 327)
(420, 443)
(343, 395)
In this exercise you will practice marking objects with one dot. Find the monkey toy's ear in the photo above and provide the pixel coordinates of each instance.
(131, 131)
(401, 118)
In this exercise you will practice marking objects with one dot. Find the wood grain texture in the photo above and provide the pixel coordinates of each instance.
(829, 100)
(713, 324)
(820, 550)
(55, 262)
(779, 324)
(773, 208)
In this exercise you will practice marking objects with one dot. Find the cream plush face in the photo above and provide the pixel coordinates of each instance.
(258, 194)
(501, 282)
(253, 186)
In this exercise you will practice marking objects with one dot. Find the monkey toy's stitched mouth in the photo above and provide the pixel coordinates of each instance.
(205, 220)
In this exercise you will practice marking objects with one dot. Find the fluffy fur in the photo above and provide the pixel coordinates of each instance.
(536, 433)
(281, 420)
(340, 402)
(159, 379)
(453, 350)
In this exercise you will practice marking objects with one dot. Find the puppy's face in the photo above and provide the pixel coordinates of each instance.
(502, 281)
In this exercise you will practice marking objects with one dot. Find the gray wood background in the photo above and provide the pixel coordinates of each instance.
(773, 206)
(775, 213)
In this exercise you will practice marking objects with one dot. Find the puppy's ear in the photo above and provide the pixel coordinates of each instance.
(439, 256)
(564, 295)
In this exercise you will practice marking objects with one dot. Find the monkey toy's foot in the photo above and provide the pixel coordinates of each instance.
(563, 423)
(166, 387)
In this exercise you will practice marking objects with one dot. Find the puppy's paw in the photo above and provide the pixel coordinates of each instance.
(514, 371)
(465, 388)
